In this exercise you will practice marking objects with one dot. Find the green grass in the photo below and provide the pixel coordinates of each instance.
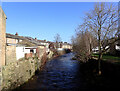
(108, 57)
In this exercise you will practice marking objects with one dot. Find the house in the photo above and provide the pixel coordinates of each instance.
(27, 48)
(95, 50)
(44, 42)
(13, 39)
(114, 48)
(18, 46)
(22, 51)
(66, 45)
(51, 45)
(39, 42)
(11, 42)
(117, 47)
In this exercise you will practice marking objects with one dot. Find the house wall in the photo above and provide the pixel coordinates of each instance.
(10, 50)
(11, 41)
(21, 51)
(28, 50)
(2, 36)
(117, 47)
(10, 54)
(65, 46)
(44, 43)
(17, 41)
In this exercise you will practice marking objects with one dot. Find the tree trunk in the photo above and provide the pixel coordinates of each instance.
(100, 52)
(99, 64)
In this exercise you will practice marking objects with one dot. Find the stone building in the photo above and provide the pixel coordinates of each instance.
(2, 36)
(2, 42)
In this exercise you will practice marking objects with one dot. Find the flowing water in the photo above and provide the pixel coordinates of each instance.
(57, 74)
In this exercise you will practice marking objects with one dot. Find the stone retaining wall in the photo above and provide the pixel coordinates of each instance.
(17, 73)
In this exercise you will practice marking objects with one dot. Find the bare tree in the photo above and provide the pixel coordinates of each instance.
(57, 40)
(83, 43)
(103, 22)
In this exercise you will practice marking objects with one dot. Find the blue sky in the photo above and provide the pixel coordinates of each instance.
(44, 20)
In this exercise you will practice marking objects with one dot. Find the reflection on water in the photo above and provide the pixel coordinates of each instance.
(59, 73)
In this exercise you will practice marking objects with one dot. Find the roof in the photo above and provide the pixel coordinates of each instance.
(29, 41)
(43, 41)
(14, 36)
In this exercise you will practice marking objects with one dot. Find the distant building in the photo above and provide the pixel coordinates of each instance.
(113, 48)
(51, 45)
(66, 45)
(43, 42)
(95, 50)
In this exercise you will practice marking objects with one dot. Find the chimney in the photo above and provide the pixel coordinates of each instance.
(44, 40)
(16, 34)
(36, 39)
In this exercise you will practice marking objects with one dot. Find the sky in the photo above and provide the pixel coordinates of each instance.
(44, 20)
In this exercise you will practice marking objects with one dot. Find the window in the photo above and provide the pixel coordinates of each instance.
(31, 50)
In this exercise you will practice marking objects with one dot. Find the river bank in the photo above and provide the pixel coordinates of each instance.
(63, 73)
(60, 73)
(109, 80)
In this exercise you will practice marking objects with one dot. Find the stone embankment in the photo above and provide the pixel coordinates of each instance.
(19, 72)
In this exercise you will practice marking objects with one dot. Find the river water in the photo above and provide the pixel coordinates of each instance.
(57, 74)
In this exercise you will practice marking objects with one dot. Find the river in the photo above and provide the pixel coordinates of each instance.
(57, 74)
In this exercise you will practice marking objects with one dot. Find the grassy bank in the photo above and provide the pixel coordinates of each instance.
(109, 58)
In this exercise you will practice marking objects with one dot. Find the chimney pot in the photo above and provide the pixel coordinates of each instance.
(16, 33)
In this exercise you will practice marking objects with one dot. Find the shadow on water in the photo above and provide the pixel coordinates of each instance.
(59, 73)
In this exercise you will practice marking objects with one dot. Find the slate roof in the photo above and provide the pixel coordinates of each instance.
(26, 40)
(14, 36)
